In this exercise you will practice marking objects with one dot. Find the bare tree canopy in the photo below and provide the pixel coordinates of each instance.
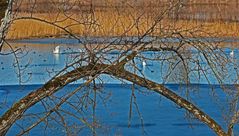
(147, 46)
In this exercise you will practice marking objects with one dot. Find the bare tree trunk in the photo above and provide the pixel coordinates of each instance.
(117, 70)
(5, 18)
(3, 7)
(18, 109)
(200, 115)
(52, 86)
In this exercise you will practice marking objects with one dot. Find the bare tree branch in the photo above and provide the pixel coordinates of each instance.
(6, 21)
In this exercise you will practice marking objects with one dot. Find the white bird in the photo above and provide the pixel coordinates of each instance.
(56, 50)
(144, 63)
(232, 53)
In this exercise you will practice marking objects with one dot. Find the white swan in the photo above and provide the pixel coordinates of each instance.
(144, 63)
(232, 53)
(56, 50)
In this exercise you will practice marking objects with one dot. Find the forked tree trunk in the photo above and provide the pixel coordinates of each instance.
(18, 109)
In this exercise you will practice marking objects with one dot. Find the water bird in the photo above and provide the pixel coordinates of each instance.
(56, 50)
(144, 63)
(232, 53)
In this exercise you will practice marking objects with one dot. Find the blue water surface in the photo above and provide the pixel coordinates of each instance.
(160, 116)
(36, 64)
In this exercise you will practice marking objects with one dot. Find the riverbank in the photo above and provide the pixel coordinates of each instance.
(224, 42)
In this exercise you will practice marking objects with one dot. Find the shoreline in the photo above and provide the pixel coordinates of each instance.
(229, 42)
(119, 40)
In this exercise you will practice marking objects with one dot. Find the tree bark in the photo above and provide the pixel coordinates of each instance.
(52, 86)
(199, 114)
(5, 18)
(3, 8)
(55, 84)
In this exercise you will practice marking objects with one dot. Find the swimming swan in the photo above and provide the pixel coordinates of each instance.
(232, 53)
(56, 50)
(144, 63)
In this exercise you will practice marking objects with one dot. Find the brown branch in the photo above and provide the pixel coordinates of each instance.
(57, 107)
(52, 86)
(5, 22)
(203, 117)
(57, 83)
(3, 5)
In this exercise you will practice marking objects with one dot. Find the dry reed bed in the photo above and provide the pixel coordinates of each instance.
(115, 23)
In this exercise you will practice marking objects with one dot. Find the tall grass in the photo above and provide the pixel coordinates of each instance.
(115, 23)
